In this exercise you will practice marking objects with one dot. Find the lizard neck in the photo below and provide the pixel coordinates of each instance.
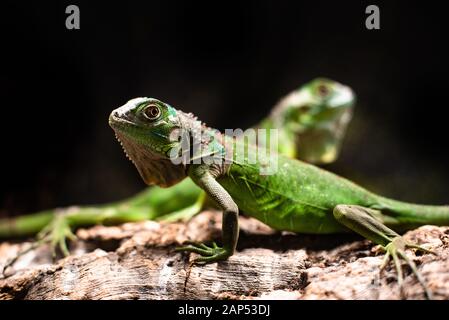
(206, 146)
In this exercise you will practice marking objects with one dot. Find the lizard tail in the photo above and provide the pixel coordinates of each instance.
(25, 225)
(416, 214)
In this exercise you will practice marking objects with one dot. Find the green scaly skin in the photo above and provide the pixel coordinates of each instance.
(321, 108)
(298, 197)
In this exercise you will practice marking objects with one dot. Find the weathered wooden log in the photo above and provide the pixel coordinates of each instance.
(137, 261)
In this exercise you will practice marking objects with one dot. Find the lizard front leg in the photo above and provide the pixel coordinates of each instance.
(201, 175)
(365, 222)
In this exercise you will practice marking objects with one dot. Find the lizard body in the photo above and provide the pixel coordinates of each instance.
(298, 197)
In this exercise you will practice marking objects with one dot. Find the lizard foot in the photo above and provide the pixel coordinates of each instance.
(55, 234)
(208, 254)
(396, 250)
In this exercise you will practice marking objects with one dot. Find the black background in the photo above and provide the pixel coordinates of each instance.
(228, 62)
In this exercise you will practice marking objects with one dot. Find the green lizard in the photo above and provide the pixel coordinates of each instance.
(321, 108)
(297, 197)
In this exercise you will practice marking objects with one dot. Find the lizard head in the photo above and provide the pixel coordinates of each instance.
(144, 127)
(316, 116)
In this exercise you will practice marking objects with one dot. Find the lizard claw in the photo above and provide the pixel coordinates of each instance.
(55, 234)
(208, 254)
(396, 250)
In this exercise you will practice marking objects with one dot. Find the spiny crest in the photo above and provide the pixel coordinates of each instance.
(204, 141)
(123, 147)
(199, 131)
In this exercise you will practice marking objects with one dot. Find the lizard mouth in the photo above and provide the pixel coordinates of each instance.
(119, 122)
(122, 128)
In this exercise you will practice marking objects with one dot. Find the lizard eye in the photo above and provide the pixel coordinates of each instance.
(323, 90)
(152, 112)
